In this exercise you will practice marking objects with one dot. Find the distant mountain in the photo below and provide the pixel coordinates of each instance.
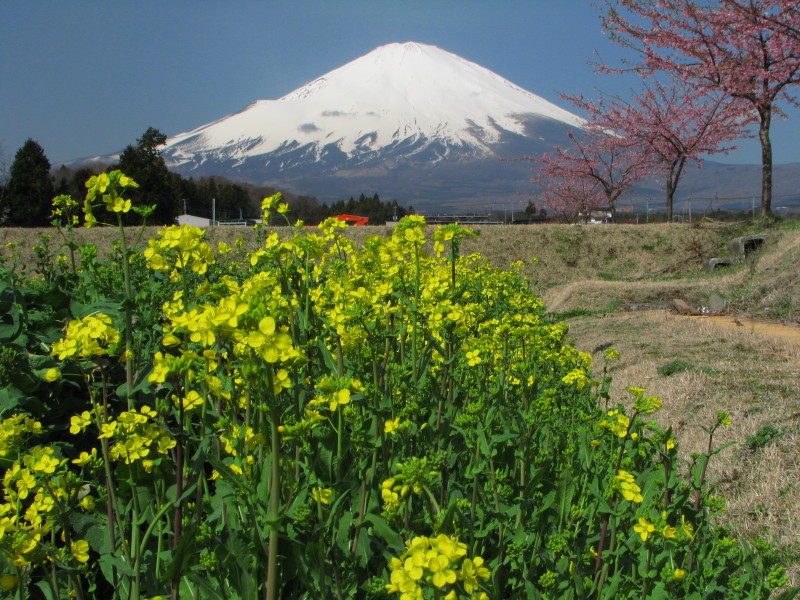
(410, 121)
(717, 186)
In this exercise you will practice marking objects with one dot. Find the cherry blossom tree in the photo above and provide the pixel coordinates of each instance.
(669, 124)
(742, 47)
(596, 170)
(784, 18)
(572, 198)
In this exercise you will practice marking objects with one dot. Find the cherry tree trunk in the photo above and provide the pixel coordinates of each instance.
(766, 161)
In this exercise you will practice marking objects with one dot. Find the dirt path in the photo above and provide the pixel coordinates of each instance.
(787, 333)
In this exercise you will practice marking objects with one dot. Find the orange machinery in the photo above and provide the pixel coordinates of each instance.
(352, 219)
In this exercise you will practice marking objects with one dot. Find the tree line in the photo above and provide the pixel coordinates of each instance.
(28, 186)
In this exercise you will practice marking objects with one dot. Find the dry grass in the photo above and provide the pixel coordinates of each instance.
(591, 272)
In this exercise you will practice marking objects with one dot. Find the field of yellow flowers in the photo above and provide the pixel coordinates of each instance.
(320, 419)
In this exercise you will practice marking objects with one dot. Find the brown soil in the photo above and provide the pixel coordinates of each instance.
(788, 333)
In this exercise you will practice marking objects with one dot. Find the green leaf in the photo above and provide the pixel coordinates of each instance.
(80, 310)
(11, 331)
(10, 399)
(111, 565)
(183, 553)
(383, 530)
(659, 592)
(46, 589)
(699, 470)
(603, 506)
(342, 532)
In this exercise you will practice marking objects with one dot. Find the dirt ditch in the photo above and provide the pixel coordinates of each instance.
(786, 333)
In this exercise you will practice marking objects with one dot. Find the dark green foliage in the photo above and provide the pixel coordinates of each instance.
(676, 366)
(27, 196)
(763, 438)
(72, 182)
(157, 186)
(217, 198)
(25, 200)
(29, 323)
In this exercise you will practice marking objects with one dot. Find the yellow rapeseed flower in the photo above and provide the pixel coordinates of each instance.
(8, 582)
(78, 423)
(321, 495)
(85, 458)
(339, 398)
(52, 375)
(80, 550)
(686, 528)
(644, 528)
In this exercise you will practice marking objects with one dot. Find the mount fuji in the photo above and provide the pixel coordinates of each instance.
(410, 121)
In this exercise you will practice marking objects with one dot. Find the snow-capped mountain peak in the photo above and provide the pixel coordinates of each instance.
(410, 94)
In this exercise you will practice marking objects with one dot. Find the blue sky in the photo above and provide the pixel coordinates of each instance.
(88, 77)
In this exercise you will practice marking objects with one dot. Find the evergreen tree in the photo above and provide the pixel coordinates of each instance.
(157, 186)
(72, 182)
(29, 192)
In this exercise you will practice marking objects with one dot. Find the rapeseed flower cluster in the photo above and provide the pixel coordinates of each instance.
(179, 248)
(88, 337)
(576, 377)
(107, 187)
(15, 431)
(626, 484)
(617, 423)
(37, 489)
(440, 562)
(334, 392)
(136, 437)
(64, 210)
(413, 476)
(644, 404)
(299, 382)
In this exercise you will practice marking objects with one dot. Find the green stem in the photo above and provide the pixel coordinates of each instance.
(20, 588)
(153, 523)
(474, 499)
(137, 557)
(112, 512)
(179, 482)
(128, 305)
(274, 494)
(415, 323)
(435, 509)
(646, 579)
(500, 528)
(323, 579)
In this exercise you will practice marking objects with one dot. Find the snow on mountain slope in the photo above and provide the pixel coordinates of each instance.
(407, 96)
